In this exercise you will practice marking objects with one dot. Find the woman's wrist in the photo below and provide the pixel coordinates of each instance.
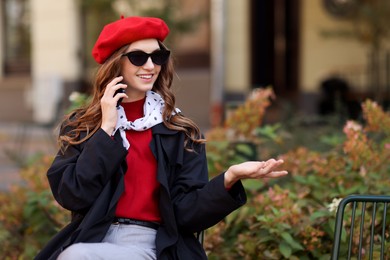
(108, 130)
(229, 179)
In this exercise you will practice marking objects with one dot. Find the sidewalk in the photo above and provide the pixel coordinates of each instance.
(18, 142)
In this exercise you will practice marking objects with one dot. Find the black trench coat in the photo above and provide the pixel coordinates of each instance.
(88, 181)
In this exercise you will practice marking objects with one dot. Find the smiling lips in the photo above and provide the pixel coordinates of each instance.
(146, 76)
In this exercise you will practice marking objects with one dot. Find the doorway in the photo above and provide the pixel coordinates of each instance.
(275, 45)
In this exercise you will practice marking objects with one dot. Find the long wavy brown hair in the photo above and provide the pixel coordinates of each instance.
(88, 119)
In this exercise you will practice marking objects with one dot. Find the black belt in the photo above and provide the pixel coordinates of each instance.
(129, 221)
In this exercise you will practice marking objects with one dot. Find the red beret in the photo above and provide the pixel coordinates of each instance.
(127, 30)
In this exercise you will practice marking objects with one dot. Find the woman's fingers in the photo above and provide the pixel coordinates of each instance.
(272, 164)
(269, 169)
(275, 174)
(109, 96)
(258, 169)
(108, 104)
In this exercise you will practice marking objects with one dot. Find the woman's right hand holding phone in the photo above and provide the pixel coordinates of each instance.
(109, 103)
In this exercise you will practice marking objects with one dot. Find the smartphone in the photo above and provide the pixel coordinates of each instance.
(120, 90)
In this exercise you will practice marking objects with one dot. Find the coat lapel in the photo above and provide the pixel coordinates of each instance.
(171, 142)
(165, 146)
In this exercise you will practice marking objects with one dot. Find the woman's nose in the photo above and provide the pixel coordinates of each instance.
(148, 64)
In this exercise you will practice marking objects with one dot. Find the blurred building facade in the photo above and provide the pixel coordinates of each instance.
(235, 47)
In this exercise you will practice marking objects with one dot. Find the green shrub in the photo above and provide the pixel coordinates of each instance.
(29, 215)
(294, 218)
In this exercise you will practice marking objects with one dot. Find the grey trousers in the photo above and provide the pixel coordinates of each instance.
(121, 242)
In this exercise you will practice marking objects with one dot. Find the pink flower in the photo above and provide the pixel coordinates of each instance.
(352, 125)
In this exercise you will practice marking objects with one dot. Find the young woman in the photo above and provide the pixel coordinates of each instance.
(131, 168)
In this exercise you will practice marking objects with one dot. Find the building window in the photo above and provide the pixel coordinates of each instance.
(17, 40)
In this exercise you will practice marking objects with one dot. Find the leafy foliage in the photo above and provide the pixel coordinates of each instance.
(294, 218)
(28, 214)
(78, 100)
(237, 141)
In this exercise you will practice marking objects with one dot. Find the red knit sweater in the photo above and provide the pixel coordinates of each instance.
(140, 198)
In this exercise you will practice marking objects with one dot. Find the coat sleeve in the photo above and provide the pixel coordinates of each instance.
(77, 176)
(198, 202)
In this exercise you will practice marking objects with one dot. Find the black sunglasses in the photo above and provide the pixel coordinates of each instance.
(139, 58)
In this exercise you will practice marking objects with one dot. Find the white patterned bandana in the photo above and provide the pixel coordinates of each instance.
(153, 108)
